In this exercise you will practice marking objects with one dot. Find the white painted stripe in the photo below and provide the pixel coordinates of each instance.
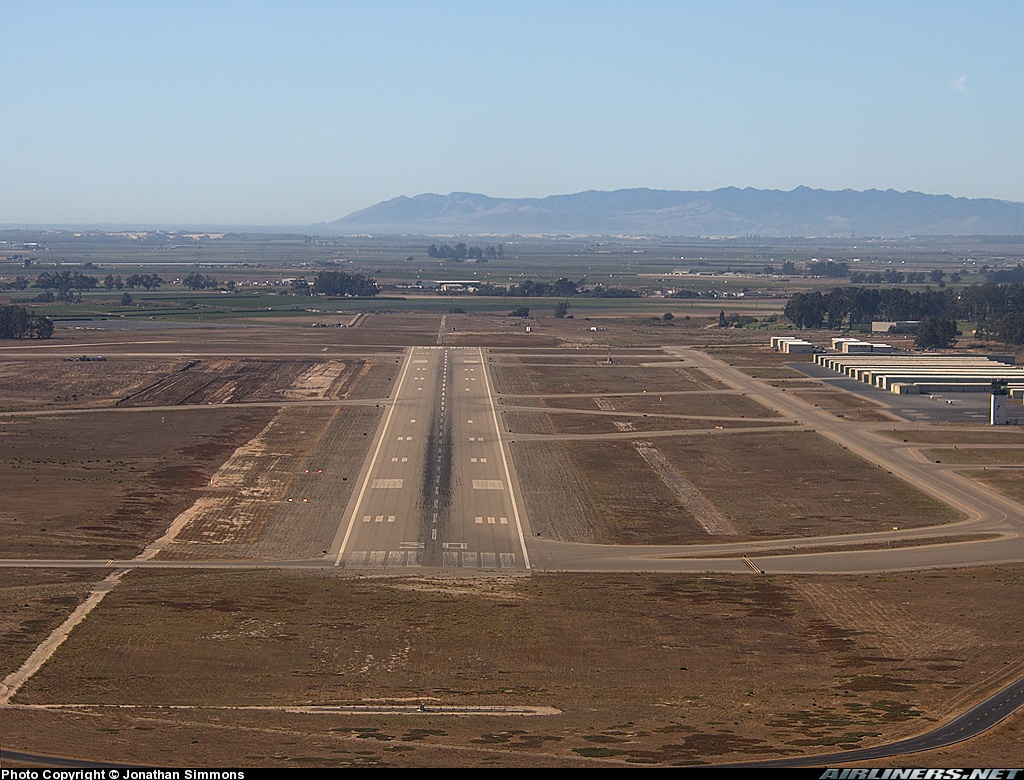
(366, 518)
(487, 560)
(478, 520)
(386, 483)
(504, 461)
(487, 484)
(469, 559)
(508, 560)
(375, 558)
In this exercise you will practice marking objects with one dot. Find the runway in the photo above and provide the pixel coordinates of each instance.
(437, 491)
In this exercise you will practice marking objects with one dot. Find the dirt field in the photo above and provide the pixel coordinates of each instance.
(172, 339)
(127, 382)
(832, 399)
(1009, 482)
(795, 484)
(32, 603)
(667, 670)
(393, 328)
(283, 494)
(545, 380)
(50, 383)
(698, 404)
(232, 381)
(585, 358)
(981, 456)
(572, 424)
(104, 484)
(941, 435)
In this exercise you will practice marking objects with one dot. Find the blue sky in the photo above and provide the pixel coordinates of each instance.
(293, 113)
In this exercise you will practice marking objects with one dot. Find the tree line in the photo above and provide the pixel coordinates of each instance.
(997, 308)
(460, 252)
(341, 284)
(17, 323)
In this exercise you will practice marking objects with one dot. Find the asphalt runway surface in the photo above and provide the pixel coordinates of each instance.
(437, 490)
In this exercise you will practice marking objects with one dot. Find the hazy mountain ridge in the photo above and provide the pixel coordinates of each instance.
(728, 211)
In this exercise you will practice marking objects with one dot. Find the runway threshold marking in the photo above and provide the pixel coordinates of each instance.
(373, 460)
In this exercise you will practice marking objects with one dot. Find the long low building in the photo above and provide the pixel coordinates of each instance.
(926, 373)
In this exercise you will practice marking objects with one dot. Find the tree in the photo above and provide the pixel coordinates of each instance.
(805, 310)
(196, 281)
(561, 309)
(936, 333)
(65, 283)
(668, 316)
(522, 311)
(17, 323)
(341, 284)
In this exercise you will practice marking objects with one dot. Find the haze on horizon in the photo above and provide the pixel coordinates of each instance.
(275, 113)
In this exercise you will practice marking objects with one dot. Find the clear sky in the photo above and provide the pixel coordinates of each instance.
(292, 113)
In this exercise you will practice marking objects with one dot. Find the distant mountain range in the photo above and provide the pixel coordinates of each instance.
(725, 212)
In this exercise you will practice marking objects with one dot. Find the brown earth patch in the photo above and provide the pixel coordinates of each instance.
(772, 372)
(794, 484)
(377, 379)
(583, 424)
(543, 380)
(105, 484)
(232, 381)
(699, 404)
(666, 670)
(963, 436)
(1008, 482)
(831, 399)
(50, 383)
(982, 456)
(32, 603)
(865, 415)
(281, 494)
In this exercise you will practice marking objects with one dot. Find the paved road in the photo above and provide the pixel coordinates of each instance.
(436, 491)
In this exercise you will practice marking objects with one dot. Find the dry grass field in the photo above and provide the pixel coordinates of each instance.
(768, 485)
(208, 666)
(958, 435)
(546, 380)
(32, 603)
(663, 670)
(1008, 482)
(584, 424)
(987, 456)
(54, 383)
(105, 484)
(698, 404)
(281, 496)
